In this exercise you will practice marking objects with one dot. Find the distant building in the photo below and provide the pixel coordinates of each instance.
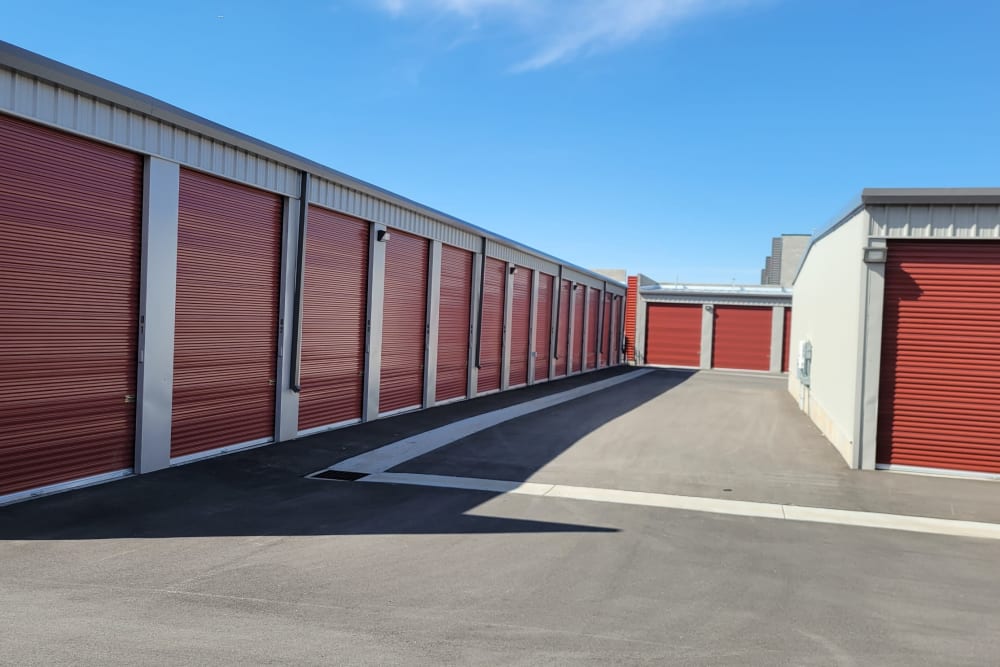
(786, 253)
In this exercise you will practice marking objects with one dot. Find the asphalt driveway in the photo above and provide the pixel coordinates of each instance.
(243, 559)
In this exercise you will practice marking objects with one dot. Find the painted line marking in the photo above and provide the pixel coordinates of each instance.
(902, 522)
(401, 451)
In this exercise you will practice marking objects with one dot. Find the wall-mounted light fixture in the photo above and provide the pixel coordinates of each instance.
(382, 235)
(876, 255)
(709, 307)
(513, 270)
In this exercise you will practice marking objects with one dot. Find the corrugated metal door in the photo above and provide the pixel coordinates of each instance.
(673, 334)
(491, 331)
(939, 402)
(543, 326)
(225, 339)
(742, 338)
(579, 327)
(453, 323)
(520, 327)
(562, 330)
(404, 323)
(593, 314)
(70, 215)
(334, 315)
(786, 342)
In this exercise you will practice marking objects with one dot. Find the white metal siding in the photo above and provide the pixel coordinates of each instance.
(960, 221)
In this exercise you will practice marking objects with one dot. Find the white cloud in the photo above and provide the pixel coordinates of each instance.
(565, 29)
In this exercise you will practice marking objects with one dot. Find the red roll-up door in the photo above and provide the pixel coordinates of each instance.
(70, 214)
(631, 298)
(786, 341)
(562, 330)
(453, 324)
(404, 317)
(491, 331)
(225, 339)
(543, 326)
(520, 327)
(742, 338)
(593, 315)
(673, 334)
(334, 315)
(606, 331)
(579, 327)
(939, 390)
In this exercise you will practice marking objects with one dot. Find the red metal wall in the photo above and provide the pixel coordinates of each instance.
(673, 334)
(562, 330)
(742, 339)
(334, 315)
(70, 215)
(491, 331)
(543, 325)
(453, 323)
(579, 327)
(404, 322)
(631, 298)
(939, 402)
(520, 327)
(225, 336)
(593, 315)
(786, 341)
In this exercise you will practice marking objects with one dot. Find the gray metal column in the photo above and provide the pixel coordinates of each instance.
(707, 334)
(373, 337)
(157, 306)
(585, 338)
(603, 294)
(477, 269)
(570, 329)
(777, 337)
(433, 318)
(554, 331)
(869, 362)
(640, 329)
(286, 414)
(508, 308)
(532, 327)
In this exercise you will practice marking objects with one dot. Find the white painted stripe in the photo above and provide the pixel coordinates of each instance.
(401, 451)
(913, 524)
(60, 487)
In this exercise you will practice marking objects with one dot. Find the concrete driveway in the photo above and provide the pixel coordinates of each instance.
(244, 559)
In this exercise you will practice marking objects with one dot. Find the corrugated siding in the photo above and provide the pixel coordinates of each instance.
(404, 322)
(491, 332)
(543, 325)
(70, 215)
(335, 301)
(673, 334)
(593, 315)
(579, 327)
(454, 323)
(227, 303)
(742, 338)
(519, 257)
(960, 221)
(630, 317)
(83, 114)
(562, 330)
(939, 402)
(582, 278)
(520, 327)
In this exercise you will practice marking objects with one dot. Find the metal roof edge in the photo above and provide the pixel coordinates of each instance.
(926, 196)
(826, 231)
(34, 64)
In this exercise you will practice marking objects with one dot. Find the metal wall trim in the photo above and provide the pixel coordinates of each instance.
(289, 348)
(220, 451)
(373, 335)
(328, 427)
(964, 222)
(62, 487)
(432, 319)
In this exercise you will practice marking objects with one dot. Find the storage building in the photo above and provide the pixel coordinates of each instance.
(896, 316)
(171, 289)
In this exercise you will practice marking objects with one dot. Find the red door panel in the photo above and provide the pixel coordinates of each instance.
(562, 330)
(520, 327)
(543, 326)
(70, 215)
(491, 331)
(453, 323)
(334, 315)
(742, 338)
(631, 298)
(404, 318)
(579, 327)
(673, 334)
(227, 309)
(939, 390)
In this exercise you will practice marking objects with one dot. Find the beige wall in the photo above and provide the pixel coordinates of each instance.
(826, 310)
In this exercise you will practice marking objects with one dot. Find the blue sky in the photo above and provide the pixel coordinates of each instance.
(671, 137)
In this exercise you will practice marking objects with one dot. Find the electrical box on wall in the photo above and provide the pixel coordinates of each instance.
(805, 361)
